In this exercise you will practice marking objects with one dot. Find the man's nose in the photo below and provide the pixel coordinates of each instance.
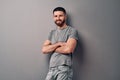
(58, 18)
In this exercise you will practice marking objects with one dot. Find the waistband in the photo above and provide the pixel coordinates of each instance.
(61, 66)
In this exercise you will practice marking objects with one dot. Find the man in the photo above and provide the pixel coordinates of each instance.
(61, 43)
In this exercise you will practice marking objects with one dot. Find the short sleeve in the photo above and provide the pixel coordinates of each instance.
(50, 36)
(73, 34)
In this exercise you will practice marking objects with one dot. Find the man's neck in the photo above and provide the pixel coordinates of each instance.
(62, 27)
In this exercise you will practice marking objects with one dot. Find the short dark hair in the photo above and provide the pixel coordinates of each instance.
(59, 9)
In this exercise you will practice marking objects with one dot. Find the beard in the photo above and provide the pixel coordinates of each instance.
(59, 22)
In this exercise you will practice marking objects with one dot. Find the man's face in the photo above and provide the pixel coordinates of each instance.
(59, 18)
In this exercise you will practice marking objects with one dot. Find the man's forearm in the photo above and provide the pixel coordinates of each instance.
(50, 48)
(63, 50)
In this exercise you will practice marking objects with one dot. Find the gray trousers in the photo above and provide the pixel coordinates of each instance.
(60, 73)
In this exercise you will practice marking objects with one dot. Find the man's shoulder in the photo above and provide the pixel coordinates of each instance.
(72, 28)
(53, 30)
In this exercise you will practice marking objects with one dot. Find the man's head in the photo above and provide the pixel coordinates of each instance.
(59, 15)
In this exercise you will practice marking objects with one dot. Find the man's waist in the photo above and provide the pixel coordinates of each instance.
(60, 67)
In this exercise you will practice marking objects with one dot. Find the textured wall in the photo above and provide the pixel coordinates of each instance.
(25, 24)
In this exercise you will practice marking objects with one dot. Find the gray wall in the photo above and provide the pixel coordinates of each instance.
(25, 24)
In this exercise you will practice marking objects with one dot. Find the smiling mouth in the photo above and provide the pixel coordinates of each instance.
(58, 20)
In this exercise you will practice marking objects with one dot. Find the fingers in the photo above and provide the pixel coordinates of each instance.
(61, 43)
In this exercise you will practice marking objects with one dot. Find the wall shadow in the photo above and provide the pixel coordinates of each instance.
(78, 55)
(78, 59)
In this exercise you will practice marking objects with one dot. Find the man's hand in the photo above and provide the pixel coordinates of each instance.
(48, 47)
(61, 44)
(66, 47)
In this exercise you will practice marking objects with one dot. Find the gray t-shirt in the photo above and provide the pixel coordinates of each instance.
(63, 35)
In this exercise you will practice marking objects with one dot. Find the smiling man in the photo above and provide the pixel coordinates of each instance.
(61, 43)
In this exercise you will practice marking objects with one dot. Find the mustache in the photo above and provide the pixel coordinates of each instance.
(58, 20)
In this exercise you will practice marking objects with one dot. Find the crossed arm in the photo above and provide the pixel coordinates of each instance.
(60, 47)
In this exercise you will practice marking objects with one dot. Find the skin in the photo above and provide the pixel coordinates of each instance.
(60, 47)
